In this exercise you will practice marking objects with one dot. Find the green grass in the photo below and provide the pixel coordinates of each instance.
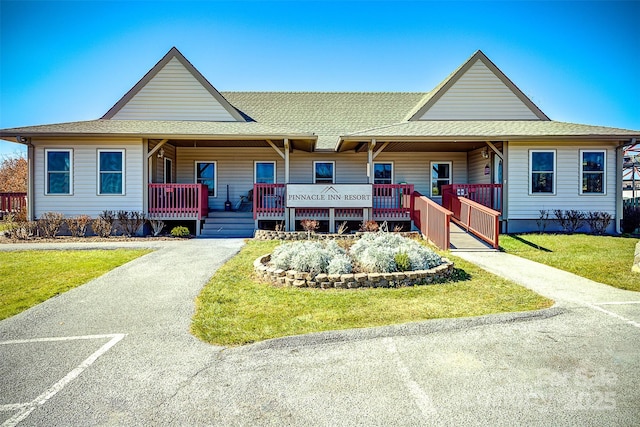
(233, 309)
(28, 278)
(605, 259)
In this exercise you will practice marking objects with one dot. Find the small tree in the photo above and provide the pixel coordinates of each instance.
(13, 175)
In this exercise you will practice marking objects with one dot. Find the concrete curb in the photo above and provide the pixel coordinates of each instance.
(406, 329)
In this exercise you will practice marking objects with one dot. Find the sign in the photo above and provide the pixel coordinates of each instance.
(329, 196)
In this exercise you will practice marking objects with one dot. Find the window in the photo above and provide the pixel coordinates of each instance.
(110, 172)
(206, 173)
(59, 171)
(383, 173)
(542, 165)
(440, 175)
(168, 171)
(592, 171)
(264, 172)
(324, 172)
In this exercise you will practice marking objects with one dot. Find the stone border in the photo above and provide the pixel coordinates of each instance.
(636, 262)
(302, 235)
(348, 281)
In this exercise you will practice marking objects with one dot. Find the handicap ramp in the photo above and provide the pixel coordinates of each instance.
(460, 240)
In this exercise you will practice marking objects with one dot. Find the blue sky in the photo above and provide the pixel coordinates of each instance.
(68, 61)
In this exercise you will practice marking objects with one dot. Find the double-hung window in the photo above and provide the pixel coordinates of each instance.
(59, 171)
(592, 171)
(383, 173)
(265, 172)
(206, 173)
(440, 175)
(110, 172)
(324, 172)
(542, 167)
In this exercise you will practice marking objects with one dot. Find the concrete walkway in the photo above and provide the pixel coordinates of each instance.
(460, 240)
(117, 351)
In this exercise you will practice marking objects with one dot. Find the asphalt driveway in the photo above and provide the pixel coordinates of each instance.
(117, 351)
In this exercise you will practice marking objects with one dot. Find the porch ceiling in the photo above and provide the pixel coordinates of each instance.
(303, 145)
(405, 146)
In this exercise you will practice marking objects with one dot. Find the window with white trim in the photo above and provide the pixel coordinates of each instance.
(264, 172)
(542, 167)
(593, 171)
(59, 171)
(207, 174)
(110, 172)
(324, 172)
(440, 175)
(383, 173)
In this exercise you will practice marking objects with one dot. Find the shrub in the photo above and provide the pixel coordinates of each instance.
(180, 231)
(403, 263)
(310, 226)
(570, 220)
(107, 218)
(598, 221)
(130, 222)
(78, 225)
(50, 223)
(343, 228)
(370, 226)
(101, 227)
(340, 264)
(630, 219)
(156, 226)
(375, 252)
(543, 220)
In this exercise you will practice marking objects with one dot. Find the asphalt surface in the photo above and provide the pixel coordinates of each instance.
(132, 360)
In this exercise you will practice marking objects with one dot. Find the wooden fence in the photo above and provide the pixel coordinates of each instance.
(433, 220)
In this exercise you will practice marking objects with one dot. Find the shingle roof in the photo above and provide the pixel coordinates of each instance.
(327, 114)
(490, 129)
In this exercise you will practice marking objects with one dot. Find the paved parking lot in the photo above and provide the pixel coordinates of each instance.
(117, 351)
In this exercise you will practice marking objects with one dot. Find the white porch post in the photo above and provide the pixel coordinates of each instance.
(287, 221)
(368, 212)
(146, 171)
(31, 212)
(505, 185)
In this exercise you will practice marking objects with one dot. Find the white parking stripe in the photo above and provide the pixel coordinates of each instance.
(616, 315)
(618, 303)
(27, 408)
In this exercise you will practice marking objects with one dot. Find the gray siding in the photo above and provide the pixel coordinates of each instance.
(173, 94)
(234, 168)
(477, 164)
(479, 94)
(85, 198)
(525, 206)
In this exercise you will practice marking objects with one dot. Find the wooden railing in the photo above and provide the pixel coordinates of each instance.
(12, 203)
(188, 201)
(489, 195)
(479, 220)
(433, 220)
(389, 201)
(268, 200)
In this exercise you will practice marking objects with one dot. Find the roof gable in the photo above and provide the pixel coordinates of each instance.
(477, 90)
(174, 90)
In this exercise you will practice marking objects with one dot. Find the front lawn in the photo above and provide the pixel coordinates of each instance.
(233, 309)
(28, 278)
(605, 259)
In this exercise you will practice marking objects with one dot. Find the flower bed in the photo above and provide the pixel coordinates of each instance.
(303, 235)
(375, 260)
(396, 279)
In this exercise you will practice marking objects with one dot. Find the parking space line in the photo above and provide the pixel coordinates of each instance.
(26, 408)
(618, 303)
(612, 314)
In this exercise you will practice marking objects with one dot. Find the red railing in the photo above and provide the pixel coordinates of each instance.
(268, 200)
(392, 201)
(479, 220)
(12, 202)
(168, 201)
(489, 195)
(433, 220)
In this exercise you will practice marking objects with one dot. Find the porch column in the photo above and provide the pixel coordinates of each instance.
(287, 222)
(505, 185)
(146, 171)
(368, 212)
(31, 212)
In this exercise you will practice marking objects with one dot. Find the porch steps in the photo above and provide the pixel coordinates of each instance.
(228, 224)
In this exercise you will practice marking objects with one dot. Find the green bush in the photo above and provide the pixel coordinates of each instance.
(403, 263)
(180, 231)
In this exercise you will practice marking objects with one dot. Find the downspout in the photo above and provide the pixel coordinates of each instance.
(30, 179)
(619, 170)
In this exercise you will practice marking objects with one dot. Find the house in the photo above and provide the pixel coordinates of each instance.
(174, 147)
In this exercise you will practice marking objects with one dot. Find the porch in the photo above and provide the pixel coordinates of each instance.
(471, 206)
